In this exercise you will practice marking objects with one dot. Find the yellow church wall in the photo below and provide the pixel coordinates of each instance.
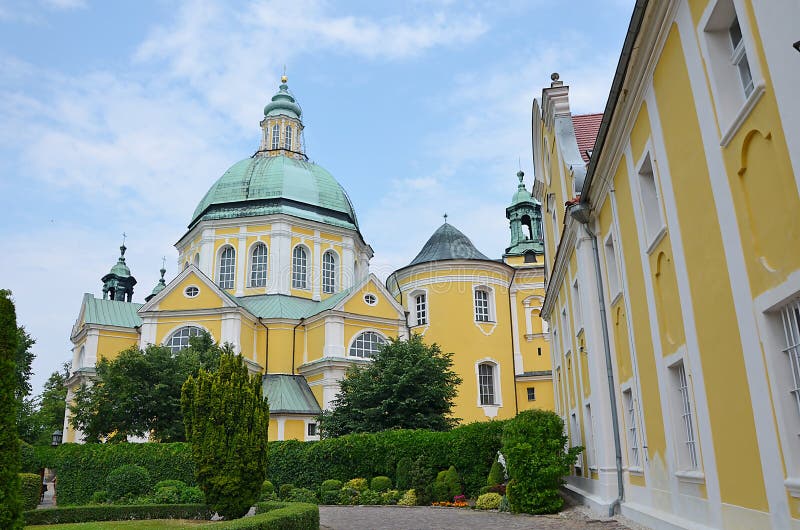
(245, 262)
(668, 302)
(318, 394)
(304, 231)
(246, 340)
(586, 386)
(166, 325)
(294, 430)
(259, 228)
(176, 300)
(280, 347)
(383, 309)
(545, 398)
(272, 431)
(331, 237)
(723, 371)
(109, 343)
(354, 326)
(515, 260)
(227, 232)
(640, 133)
(619, 323)
(315, 341)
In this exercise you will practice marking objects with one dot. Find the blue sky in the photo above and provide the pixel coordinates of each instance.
(118, 116)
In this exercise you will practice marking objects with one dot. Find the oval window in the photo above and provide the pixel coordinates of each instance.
(370, 299)
(191, 291)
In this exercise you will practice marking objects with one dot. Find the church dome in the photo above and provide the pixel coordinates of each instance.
(283, 103)
(264, 185)
(447, 243)
(522, 194)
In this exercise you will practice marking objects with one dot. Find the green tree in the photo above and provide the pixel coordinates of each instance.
(408, 385)
(10, 507)
(138, 392)
(24, 359)
(227, 421)
(42, 415)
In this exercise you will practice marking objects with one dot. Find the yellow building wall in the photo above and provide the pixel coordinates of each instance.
(280, 347)
(167, 325)
(315, 337)
(110, 343)
(544, 395)
(175, 300)
(732, 426)
(383, 309)
(272, 431)
(294, 430)
(311, 270)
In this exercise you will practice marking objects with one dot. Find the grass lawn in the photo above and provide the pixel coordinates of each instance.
(154, 524)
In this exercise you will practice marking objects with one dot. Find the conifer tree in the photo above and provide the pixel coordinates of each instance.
(227, 419)
(10, 507)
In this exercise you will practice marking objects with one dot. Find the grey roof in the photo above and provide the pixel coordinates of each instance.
(447, 243)
(111, 312)
(289, 394)
(283, 306)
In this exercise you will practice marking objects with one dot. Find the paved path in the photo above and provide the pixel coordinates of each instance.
(431, 518)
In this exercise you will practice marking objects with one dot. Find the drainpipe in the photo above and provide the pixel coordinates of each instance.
(580, 212)
(266, 347)
(294, 340)
(406, 313)
(513, 356)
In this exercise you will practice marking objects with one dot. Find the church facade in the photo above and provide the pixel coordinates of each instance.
(274, 263)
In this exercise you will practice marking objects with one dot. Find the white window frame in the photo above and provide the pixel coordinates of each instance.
(731, 101)
(649, 190)
(688, 458)
(490, 306)
(414, 309)
(173, 332)
(591, 448)
(300, 270)
(632, 431)
(226, 273)
(490, 409)
(577, 310)
(263, 268)
(531, 390)
(330, 272)
(276, 136)
(287, 137)
(353, 343)
(612, 267)
(575, 437)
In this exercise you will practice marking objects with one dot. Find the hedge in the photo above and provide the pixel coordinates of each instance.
(470, 448)
(278, 516)
(27, 460)
(82, 468)
(82, 514)
(30, 490)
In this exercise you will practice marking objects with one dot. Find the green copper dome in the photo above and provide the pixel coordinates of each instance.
(264, 185)
(522, 194)
(283, 103)
(120, 268)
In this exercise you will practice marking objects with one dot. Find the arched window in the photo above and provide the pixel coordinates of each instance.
(486, 381)
(276, 134)
(482, 312)
(227, 268)
(299, 268)
(366, 345)
(287, 139)
(258, 265)
(329, 272)
(421, 308)
(180, 338)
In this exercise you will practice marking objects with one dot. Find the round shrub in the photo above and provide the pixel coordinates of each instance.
(303, 495)
(267, 488)
(100, 497)
(30, 490)
(403, 469)
(370, 497)
(496, 474)
(358, 484)
(192, 495)
(167, 495)
(409, 498)
(439, 491)
(329, 497)
(169, 483)
(331, 485)
(285, 490)
(488, 501)
(380, 484)
(390, 497)
(127, 481)
(349, 496)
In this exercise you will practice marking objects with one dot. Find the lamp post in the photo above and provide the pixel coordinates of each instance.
(57, 437)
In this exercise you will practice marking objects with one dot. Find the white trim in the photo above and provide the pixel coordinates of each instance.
(358, 334)
(181, 325)
(185, 294)
(490, 410)
(249, 265)
(218, 264)
(411, 302)
(743, 113)
(308, 267)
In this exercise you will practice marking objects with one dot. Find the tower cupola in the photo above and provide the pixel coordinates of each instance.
(161, 285)
(282, 126)
(118, 283)
(525, 223)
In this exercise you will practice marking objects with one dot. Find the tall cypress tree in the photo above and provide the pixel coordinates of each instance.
(10, 507)
(227, 420)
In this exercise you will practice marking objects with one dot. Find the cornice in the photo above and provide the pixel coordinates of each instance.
(565, 246)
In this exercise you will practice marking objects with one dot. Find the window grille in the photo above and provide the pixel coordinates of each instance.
(790, 315)
(366, 345)
(486, 383)
(276, 134)
(739, 57)
(258, 266)
(299, 268)
(633, 441)
(481, 306)
(422, 309)
(227, 268)
(686, 416)
(180, 339)
(328, 272)
(287, 141)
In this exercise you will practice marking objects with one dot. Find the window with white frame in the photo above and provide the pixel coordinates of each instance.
(651, 204)
(299, 268)
(688, 454)
(421, 309)
(287, 139)
(329, 272)
(227, 268)
(576, 310)
(739, 56)
(630, 425)
(531, 393)
(576, 441)
(591, 450)
(276, 136)
(482, 305)
(486, 382)
(366, 345)
(180, 338)
(612, 271)
(258, 265)
(790, 318)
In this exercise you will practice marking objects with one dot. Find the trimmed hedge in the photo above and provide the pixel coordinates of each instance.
(278, 516)
(27, 458)
(83, 468)
(470, 448)
(82, 514)
(30, 490)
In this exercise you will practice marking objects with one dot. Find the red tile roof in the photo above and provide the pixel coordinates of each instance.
(586, 127)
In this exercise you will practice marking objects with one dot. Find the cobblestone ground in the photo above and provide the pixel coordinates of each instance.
(431, 518)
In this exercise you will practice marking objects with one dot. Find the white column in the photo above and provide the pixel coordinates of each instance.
(281, 258)
(348, 263)
(334, 337)
(241, 261)
(207, 252)
(316, 268)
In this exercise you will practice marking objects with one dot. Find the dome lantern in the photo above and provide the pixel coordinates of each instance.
(118, 283)
(282, 126)
(525, 223)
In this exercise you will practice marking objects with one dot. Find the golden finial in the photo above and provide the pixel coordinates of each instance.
(283, 77)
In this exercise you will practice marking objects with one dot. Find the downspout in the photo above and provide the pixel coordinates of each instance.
(513, 353)
(266, 346)
(580, 213)
(294, 340)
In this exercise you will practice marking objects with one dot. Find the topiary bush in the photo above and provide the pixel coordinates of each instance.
(167, 495)
(267, 488)
(27, 459)
(380, 484)
(439, 490)
(10, 505)
(126, 481)
(422, 478)
(329, 497)
(496, 474)
(409, 498)
(370, 497)
(100, 497)
(390, 497)
(331, 485)
(169, 482)
(533, 445)
(192, 495)
(403, 468)
(453, 482)
(277, 516)
(349, 496)
(285, 490)
(80, 514)
(358, 484)
(488, 501)
(30, 490)
(303, 495)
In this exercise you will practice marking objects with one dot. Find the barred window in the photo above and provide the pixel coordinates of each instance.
(630, 419)
(421, 306)
(481, 305)
(258, 265)
(329, 272)
(366, 345)
(227, 268)
(688, 453)
(299, 268)
(486, 383)
(180, 339)
(276, 134)
(790, 316)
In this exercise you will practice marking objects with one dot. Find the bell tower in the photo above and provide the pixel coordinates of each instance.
(525, 223)
(118, 283)
(282, 126)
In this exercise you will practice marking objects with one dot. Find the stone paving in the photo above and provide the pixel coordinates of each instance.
(433, 518)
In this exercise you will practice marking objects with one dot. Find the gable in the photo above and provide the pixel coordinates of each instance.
(175, 298)
(385, 306)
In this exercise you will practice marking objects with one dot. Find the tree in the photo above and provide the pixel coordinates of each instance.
(10, 507)
(408, 385)
(24, 359)
(138, 393)
(227, 421)
(40, 416)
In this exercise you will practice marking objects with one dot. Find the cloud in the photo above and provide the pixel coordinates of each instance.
(65, 4)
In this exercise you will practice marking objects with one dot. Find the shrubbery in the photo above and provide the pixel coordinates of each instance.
(488, 501)
(277, 516)
(80, 514)
(127, 481)
(380, 484)
(30, 490)
(409, 498)
(303, 495)
(27, 458)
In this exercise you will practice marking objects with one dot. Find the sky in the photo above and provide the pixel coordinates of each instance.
(116, 117)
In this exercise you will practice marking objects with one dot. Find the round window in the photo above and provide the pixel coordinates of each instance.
(370, 299)
(191, 291)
